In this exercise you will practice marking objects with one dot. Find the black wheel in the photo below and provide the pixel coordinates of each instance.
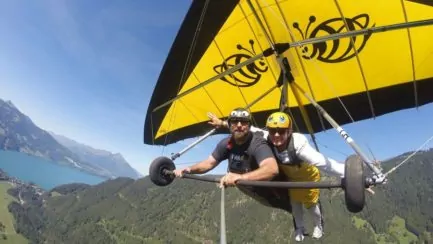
(157, 168)
(354, 184)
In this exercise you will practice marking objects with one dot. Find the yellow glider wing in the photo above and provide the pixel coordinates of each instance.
(370, 74)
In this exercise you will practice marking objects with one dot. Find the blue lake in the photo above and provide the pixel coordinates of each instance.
(42, 172)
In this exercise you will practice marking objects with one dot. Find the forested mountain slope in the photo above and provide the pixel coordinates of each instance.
(187, 211)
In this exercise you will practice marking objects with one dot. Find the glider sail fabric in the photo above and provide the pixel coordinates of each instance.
(370, 74)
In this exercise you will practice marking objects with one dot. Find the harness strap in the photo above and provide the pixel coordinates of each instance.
(291, 151)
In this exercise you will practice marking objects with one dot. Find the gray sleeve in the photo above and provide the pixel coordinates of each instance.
(220, 152)
(261, 150)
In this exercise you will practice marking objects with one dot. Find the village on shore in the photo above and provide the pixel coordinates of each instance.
(21, 186)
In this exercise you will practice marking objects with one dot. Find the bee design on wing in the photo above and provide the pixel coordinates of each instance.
(338, 50)
(247, 75)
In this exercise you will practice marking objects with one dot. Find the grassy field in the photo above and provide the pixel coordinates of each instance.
(396, 229)
(363, 224)
(8, 235)
(55, 194)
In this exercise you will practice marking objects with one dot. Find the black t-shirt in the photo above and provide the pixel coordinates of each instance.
(246, 157)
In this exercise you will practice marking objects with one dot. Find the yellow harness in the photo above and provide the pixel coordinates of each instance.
(302, 172)
(296, 170)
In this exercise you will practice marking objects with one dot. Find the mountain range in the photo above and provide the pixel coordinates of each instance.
(111, 162)
(19, 133)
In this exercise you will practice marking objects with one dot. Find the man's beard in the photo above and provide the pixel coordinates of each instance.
(240, 136)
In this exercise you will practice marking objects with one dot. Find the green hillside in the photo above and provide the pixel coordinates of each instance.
(8, 233)
(187, 211)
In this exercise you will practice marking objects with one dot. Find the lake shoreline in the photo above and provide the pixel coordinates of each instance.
(43, 173)
(72, 165)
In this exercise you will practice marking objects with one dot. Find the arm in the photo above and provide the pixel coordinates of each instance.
(216, 122)
(307, 153)
(204, 166)
(268, 167)
(219, 154)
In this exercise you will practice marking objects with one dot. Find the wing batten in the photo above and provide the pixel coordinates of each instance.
(406, 18)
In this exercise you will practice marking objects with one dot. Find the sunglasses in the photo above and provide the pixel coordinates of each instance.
(236, 121)
(280, 131)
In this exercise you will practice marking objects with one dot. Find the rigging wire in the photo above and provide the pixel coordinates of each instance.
(314, 62)
(332, 149)
(266, 32)
(286, 26)
(410, 156)
(315, 65)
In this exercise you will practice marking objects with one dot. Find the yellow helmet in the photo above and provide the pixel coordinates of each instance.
(278, 120)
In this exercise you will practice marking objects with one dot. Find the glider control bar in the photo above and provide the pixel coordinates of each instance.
(275, 184)
(354, 183)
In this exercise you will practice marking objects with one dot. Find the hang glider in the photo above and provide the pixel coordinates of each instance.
(367, 57)
(326, 63)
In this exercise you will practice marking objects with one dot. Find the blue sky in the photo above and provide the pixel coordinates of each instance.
(86, 70)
